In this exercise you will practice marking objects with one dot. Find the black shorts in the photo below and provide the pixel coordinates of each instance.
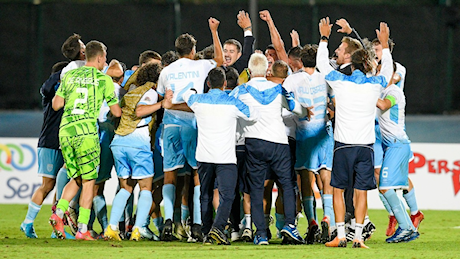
(353, 166)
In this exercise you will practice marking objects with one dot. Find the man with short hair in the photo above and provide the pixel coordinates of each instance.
(217, 115)
(180, 133)
(235, 55)
(267, 146)
(356, 96)
(81, 93)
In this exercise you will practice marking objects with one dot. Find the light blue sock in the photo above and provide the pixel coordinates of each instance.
(411, 201)
(196, 205)
(143, 207)
(279, 221)
(408, 220)
(176, 215)
(328, 209)
(32, 212)
(129, 208)
(385, 204)
(100, 209)
(185, 212)
(118, 206)
(398, 209)
(61, 181)
(169, 196)
(308, 207)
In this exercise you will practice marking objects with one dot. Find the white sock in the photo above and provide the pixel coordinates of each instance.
(340, 229)
(353, 223)
(114, 227)
(59, 213)
(366, 220)
(247, 218)
(359, 231)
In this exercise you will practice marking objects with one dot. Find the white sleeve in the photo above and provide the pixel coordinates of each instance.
(161, 88)
(322, 59)
(246, 112)
(401, 71)
(149, 98)
(387, 65)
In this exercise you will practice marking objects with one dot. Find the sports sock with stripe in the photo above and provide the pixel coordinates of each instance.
(32, 212)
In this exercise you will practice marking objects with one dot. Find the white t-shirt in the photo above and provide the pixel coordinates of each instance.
(310, 90)
(216, 115)
(392, 121)
(179, 77)
(140, 138)
(355, 97)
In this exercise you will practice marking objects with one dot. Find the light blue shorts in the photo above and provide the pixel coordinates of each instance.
(314, 152)
(50, 161)
(179, 146)
(132, 162)
(395, 168)
(106, 134)
(378, 149)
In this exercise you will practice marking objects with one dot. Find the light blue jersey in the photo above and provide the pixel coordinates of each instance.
(314, 143)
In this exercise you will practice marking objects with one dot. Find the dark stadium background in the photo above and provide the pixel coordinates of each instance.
(426, 34)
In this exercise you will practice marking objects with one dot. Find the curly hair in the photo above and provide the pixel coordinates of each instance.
(148, 73)
(308, 55)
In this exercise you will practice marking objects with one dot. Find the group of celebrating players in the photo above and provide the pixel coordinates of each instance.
(235, 121)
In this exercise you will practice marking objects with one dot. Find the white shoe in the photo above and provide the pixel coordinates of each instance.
(235, 236)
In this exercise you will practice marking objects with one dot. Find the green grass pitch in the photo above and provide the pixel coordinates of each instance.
(440, 238)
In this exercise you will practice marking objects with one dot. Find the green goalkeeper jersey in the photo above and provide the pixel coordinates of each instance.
(84, 89)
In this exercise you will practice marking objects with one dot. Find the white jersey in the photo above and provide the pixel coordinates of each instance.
(119, 92)
(179, 77)
(401, 71)
(140, 138)
(310, 90)
(268, 98)
(71, 66)
(391, 121)
(356, 97)
(217, 113)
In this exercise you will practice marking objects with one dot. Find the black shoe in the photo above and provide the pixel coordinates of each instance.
(324, 232)
(368, 230)
(350, 234)
(218, 236)
(167, 231)
(348, 217)
(334, 234)
(311, 234)
(196, 232)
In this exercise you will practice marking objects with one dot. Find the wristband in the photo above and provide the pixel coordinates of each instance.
(325, 38)
(247, 28)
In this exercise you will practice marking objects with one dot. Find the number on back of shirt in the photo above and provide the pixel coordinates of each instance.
(78, 111)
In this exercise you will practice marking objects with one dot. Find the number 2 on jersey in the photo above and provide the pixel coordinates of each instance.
(78, 111)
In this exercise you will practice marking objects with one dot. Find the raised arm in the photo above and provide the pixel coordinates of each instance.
(274, 35)
(218, 53)
(346, 28)
(387, 61)
(248, 44)
(295, 38)
(322, 57)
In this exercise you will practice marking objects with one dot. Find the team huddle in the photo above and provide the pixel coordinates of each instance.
(210, 133)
